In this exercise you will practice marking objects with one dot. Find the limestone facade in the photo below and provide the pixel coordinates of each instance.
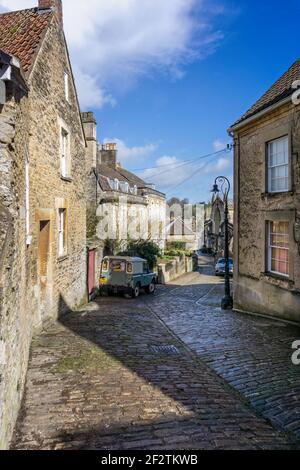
(267, 213)
(42, 206)
(120, 205)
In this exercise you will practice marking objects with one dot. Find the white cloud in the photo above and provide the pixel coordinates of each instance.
(113, 43)
(221, 165)
(171, 172)
(131, 154)
(219, 145)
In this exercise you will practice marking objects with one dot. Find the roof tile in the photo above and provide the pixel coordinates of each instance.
(281, 89)
(21, 33)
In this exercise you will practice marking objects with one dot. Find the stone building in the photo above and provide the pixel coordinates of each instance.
(121, 206)
(42, 190)
(214, 227)
(267, 202)
(187, 229)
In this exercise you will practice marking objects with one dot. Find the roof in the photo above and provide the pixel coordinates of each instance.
(131, 177)
(105, 172)
(21, 34)
(281, 89)
(111, 173)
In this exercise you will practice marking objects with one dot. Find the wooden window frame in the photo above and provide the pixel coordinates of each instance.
(269, 168)
(284, 216)
(62, 232)
(270, 248)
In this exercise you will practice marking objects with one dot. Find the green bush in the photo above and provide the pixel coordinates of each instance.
(143, 249)
(176, 246)
(187, 253)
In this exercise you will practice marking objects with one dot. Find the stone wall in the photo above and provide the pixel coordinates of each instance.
(15, 316)
(157, 214)
(31, 126)
(49, 191)
(254, 288)
(169, 271)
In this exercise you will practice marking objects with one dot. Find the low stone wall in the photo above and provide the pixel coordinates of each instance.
(173, 269)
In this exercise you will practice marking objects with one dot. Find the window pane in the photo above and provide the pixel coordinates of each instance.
(278, 161)
(279, 247)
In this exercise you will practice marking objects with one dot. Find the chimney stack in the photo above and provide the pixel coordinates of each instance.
(54, 5)
(90, 130)
(109, 155)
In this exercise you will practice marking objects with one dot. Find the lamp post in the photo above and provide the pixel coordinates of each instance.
(227, 302)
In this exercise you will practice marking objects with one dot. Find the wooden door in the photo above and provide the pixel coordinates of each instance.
(91, 271)
(44, 251)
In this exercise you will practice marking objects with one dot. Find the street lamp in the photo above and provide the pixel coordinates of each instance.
(227, 302)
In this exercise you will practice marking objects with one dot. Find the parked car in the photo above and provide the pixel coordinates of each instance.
(126, 275)
(220, 267)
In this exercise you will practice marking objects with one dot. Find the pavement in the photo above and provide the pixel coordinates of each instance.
(169, 371)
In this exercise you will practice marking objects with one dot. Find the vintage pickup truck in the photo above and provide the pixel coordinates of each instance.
(127, 275)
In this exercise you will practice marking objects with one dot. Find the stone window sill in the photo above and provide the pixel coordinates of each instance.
(62, 258)
(66, 178)
(279, 281)
(274, 195)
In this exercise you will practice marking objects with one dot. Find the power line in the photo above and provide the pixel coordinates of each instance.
(172, 187)
(182, 164)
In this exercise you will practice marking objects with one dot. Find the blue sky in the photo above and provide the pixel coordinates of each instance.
(184, 117)
(166, 78)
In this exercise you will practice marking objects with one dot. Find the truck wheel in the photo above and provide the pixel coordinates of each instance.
(151, 288)
(136, 292)
(104, 293)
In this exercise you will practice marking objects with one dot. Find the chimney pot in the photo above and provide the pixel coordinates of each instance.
(54, 5)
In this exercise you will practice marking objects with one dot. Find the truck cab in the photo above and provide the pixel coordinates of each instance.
(126, 275)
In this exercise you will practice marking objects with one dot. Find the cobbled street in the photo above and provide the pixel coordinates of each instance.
(169, 371)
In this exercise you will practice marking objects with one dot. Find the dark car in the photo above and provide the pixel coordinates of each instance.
(220, 267)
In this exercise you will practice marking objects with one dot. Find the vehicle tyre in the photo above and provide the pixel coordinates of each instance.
(104, 293)
(151, 288)
(136, 292)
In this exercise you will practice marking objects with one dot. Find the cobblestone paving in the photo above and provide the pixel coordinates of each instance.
(253, 354)
(103, 378)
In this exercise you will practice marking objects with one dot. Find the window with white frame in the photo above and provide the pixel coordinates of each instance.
(62, 233)
(64, 158)
(278, 165)
(66, 81)
(278, 248)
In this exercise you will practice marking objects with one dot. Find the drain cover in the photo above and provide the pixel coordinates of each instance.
(169, 350)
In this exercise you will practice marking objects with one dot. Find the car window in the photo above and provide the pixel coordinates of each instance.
(105, 265)
(117, 266)
(129, 268)
(146, 267)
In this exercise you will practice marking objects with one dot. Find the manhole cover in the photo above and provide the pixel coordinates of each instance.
(169, 350)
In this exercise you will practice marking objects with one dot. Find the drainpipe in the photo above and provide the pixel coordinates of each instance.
(237, 182)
